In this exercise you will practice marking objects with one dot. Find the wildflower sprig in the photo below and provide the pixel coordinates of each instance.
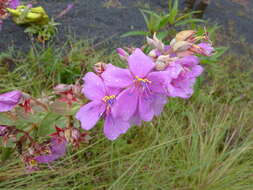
(41, 129)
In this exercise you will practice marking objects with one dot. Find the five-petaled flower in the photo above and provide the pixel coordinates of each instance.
(145, 89)
(103, 99)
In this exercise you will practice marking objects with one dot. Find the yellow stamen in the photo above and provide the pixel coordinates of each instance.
(142, 80)
(33, 162)
(106, 98)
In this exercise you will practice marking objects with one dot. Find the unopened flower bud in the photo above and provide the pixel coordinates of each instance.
(122, 54)
(77, 89)
(100, 67)
(67, 134)
(75, 134)
(3, 130)
(61, 88)
(181, 46)
(155, 42)
(184, 35)
(153, 53)
(173, 41)
(160, 66)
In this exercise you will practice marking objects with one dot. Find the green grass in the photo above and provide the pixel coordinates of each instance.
(203, 143)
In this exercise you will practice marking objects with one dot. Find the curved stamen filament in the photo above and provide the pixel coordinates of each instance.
(142, 80)
(108, 98)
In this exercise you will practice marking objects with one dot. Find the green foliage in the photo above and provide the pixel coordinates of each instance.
(161, 22)
(204, 143)
(43, 32)
(50, 66)
(6, 152)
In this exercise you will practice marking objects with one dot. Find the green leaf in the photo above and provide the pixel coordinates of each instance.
(162, 35)
(189, 21)
(145, 18)
(6, 153)
(4, 120)
(151, 13)
(47, 124)
(187, 15)
(163, 22)
(135, 33)
(173, 12)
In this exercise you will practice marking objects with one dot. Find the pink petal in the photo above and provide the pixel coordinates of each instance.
(14, 4)
(93, 88)
(90, 113)
(182, 88)
(135, 119)
(140, 64)
(9, 100)
(174, 69)
(126, 104)
(146, 111)
(158, 103)
(159, 81)
(207, 47)
(189, 61)
(196, 71)
(114, 127)
(117, 77)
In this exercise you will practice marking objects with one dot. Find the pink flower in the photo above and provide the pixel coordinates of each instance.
(184, 72)
(9, 100)
(14, 4)
(102, 103)
(144, 94)
(56, 150)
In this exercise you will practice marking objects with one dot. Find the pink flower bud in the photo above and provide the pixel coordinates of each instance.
(3, 130)
(100, 67)
(122, 54)
(61, 88)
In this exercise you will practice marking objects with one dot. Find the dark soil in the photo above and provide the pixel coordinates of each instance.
(101, 21)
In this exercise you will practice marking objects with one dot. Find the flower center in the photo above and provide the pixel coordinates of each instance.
(33, 162)
(138, 79)
(109, 99)
(143, 82)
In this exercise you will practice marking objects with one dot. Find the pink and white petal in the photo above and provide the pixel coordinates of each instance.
(140, 64)
(125, 104)
(114, 127)
(90, 113)
(159, 101)
(117, 77)
(93, 88)
(146, 111)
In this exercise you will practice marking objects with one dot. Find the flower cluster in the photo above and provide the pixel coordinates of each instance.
(122, 97)
(126, 97)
